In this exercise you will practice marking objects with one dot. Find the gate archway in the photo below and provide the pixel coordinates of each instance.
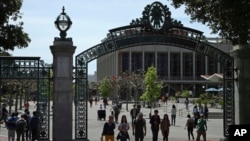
(156, 27)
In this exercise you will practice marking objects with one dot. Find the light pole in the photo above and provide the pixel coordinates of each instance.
(63, 23)
(63, 51)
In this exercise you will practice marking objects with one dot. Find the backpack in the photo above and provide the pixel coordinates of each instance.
(21, 125)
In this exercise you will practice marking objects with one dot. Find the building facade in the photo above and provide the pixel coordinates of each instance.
(179, 68)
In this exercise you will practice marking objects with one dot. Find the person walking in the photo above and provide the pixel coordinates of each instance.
(11, 126)
(133, 113)
(105, 102)
(173, 115)
(21, 125)
(201, 128)
(34, 126)
(195, 110)
(116, 112)
(201, 109)
(155, 122)
(27, 119)
(206, 112)
(26, 105)
(186, 104)
(108, 129)
(196, 117)
(190, 126)
(165, 124)
(91, 101)
(4, 114)
(123, 128)
(138, 125)
(96, 100)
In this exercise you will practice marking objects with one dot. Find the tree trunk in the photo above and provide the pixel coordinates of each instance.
(127, 100)
(16, 103)
(21, 101)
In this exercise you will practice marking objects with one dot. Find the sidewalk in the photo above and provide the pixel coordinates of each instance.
(177, 133)
(4, 138)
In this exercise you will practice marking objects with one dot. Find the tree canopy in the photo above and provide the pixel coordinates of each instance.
(153, 87)
(229, 18)
(11, 28)
(105, 88)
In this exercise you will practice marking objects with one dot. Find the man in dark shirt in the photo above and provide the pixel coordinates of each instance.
(133, 113)
(138, 125)
(34, 125)
(155, 122)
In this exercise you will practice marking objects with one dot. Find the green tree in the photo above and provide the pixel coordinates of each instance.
(153, 87)
(185, 94)
(229, 18)
(11, 28)
(105, 88)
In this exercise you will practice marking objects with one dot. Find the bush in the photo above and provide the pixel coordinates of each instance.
(198, 100)
(184, 94)
(220, 102)
(205, 101)
(211, 101)
(171, 98)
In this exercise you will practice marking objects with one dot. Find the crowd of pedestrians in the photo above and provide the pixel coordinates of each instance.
(20, 128)
(196, 122)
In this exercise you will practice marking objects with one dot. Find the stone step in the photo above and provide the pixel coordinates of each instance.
(215, 115)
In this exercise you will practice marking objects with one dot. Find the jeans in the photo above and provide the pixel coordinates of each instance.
(139, 137)
(11, 135)
(190, 132)
(155, 134)
(173, 117)
(34, 134)
(20, 134)
(165, 138)
(199, 133)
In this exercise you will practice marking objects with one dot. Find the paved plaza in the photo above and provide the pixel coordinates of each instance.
(177, 133)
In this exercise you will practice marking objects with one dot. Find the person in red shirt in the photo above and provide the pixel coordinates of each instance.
(26, 105)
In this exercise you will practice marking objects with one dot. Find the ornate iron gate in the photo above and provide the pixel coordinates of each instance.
(156, 27)
(34, 70)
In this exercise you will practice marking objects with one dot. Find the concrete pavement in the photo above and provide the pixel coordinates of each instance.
(177, 133)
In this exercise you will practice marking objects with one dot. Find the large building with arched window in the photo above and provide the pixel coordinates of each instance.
(179, 68)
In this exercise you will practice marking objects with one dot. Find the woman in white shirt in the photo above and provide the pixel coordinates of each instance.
(123, 128)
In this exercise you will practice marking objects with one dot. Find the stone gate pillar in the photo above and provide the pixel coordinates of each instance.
(62, 51)
(241, 56)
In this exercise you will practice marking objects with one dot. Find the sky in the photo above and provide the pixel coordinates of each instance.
(92, 19)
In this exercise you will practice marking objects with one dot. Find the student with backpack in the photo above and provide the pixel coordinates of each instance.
(21, 125)
(190, 126)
